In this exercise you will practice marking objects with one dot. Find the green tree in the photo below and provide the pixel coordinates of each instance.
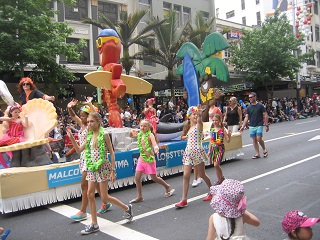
(198, 31)
(125, 28)
(265, 55)
(29, 35)
(169, 38)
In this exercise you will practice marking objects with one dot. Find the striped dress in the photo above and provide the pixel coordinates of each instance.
(216, 145)
(13, 135)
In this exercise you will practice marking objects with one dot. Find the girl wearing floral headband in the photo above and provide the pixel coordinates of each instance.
(99, 168)
(15, 126)
(229, 204)
(194, 155)
(147, 163)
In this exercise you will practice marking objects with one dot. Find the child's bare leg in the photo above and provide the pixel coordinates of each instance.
(84, 189)
(202, 173)
(137, 178)
(218, 170)
(186, 178)
(92, 201)
(107, 198)
(196, 174)
(159, 180)
(1, 230)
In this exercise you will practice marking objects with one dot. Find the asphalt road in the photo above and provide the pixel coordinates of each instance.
(287, 179)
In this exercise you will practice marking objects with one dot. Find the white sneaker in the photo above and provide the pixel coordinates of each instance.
(199, 180)
(195, 183)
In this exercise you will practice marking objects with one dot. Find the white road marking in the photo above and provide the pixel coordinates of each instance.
(118, 231)
(113, 229)
(292, 135)
(244, 181)
(314, 138)
(305, 122)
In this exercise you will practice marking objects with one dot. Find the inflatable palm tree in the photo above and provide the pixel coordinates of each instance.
(199, 66)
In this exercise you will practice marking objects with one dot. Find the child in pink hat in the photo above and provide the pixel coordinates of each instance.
(229, 204)
(298, 226)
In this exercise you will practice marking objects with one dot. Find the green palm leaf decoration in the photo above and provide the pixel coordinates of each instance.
(190, 49)
(214, 43)
(217, 66)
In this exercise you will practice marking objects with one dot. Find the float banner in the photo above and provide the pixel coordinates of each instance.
(126, 163)
(63, 176)
(174, 153)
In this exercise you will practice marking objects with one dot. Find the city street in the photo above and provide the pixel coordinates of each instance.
(286, 180)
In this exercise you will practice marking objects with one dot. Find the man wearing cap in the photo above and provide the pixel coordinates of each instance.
(298, 226)
(257, 115)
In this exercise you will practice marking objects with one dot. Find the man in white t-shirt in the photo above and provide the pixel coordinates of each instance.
(127, 117)
(159, 108)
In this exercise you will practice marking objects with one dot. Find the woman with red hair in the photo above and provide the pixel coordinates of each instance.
(29, 91)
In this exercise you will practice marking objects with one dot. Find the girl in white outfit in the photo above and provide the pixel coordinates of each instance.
(230, 214)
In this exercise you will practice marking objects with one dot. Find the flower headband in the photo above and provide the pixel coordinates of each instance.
(87, 109)
(14, 107)
(191, 110)
(150, 100)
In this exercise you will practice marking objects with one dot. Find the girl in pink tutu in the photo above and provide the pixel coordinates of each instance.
(15, 126)
(150, 114)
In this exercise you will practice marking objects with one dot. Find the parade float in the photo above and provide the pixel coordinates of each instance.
(23, 186)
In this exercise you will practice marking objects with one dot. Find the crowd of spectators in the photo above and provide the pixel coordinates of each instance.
(286, 109)
(278, 109)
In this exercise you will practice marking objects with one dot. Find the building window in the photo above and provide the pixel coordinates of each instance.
(243, 5)
(316, 33)
(217, 13)
(186, 14)
(315, 7)
(85, 55)
(166, 8)
(177, 10)
(205, 16)
(109, 10)
(146, 4)
(258, 19)
(77, 12)
(257, 2)
(230, 14)
(244, 21)
(148, 62)
(311, 36)
(227, 53)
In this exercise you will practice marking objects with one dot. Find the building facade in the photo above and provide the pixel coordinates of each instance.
(253, 13)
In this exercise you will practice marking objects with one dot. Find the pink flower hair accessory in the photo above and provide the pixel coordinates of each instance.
(152, 100)
(191, 110)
